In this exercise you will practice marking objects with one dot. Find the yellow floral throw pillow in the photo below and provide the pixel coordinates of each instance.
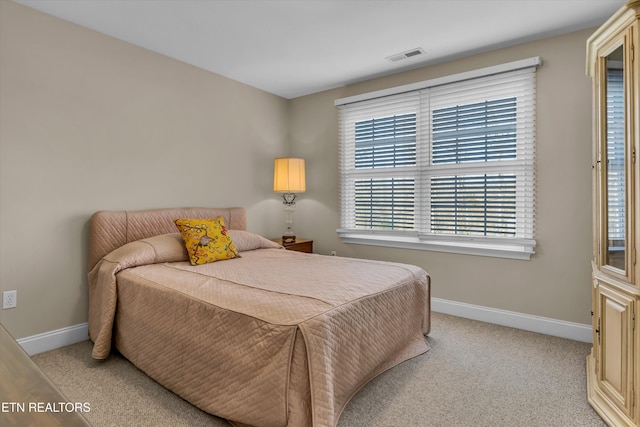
(207, 240)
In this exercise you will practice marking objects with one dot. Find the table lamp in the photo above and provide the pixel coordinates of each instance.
(289, 179)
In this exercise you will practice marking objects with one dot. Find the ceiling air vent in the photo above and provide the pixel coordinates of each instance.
(406, 55)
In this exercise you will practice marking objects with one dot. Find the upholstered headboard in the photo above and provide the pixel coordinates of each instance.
(108, 230)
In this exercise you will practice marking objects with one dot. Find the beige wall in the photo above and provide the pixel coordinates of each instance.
(88, 122)
(556, 282)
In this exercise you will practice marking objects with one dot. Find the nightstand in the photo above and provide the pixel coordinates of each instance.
(300, 245)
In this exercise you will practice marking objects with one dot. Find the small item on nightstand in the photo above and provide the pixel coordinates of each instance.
(286, 238)
(299, 245)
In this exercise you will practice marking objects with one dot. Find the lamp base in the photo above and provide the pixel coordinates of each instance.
(288, 235)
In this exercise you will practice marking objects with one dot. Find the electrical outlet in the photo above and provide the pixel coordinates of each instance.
(334, 253)
(9, 299)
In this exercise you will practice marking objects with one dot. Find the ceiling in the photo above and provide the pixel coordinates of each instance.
(296, 47)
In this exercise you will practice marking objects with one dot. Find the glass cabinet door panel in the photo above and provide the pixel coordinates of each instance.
(615, 180)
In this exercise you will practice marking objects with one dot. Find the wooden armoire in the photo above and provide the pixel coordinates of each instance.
(613, 366)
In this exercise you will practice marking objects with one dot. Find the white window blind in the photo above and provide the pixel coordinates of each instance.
(380, 161)
(447, 167)
(615, 157)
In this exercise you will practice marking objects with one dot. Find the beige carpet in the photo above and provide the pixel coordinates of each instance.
(475, 374)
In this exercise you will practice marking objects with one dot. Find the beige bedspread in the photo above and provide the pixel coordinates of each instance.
(274, 338)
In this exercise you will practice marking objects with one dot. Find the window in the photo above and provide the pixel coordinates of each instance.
(443, 165)
(385, 202)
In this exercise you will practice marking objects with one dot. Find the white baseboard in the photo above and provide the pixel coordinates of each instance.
(73, 334)
(54, 339)
(527, 322)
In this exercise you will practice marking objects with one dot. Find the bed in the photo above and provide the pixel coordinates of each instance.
(270, 338)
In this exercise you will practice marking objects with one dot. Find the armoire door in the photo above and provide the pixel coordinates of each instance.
(615, 346)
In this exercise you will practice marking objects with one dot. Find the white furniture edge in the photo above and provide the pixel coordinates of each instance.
(559, 328)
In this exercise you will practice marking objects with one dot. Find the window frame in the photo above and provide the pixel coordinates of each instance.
(522, 246)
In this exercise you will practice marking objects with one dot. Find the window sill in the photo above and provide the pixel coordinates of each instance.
(521, 249)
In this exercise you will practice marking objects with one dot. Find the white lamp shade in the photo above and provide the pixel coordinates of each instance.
(288, 176)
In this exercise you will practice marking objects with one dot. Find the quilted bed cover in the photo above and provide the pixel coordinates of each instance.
(273, 338)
